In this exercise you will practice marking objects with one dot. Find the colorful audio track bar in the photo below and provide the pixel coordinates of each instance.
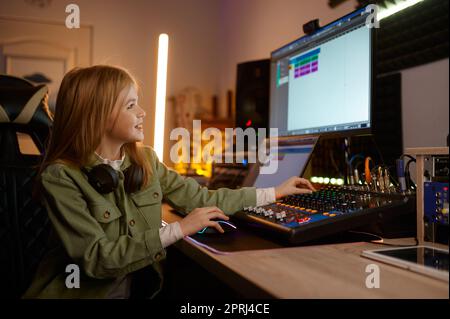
(306, 63)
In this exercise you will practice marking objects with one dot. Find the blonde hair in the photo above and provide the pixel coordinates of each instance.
(85, 101)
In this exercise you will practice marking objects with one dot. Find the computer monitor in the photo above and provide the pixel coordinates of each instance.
(322, 83)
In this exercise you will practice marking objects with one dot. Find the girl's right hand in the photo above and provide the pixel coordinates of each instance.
(200, 218)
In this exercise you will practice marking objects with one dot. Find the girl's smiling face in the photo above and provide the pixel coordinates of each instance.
(126, 120)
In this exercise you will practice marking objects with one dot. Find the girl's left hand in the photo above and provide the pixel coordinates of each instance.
(293, 185)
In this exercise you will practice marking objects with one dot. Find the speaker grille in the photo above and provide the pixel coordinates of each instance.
(252, 94)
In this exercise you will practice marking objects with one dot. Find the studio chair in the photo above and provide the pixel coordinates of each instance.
(24, 224)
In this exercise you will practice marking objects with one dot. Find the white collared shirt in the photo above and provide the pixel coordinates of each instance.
(114, 164)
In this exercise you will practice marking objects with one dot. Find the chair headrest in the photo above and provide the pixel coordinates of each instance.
(22, 109)
(14, 81)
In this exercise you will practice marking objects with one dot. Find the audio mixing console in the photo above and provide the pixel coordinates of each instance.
(301, 218)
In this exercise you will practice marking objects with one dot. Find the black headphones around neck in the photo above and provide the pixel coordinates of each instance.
(104, 179)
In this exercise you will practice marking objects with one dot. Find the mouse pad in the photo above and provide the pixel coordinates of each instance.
(247, 238)
(241, 239)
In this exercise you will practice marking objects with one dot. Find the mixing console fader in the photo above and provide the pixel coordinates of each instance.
(301, 218)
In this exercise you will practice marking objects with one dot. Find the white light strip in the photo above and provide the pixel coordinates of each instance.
(160, 112)
(394, 8)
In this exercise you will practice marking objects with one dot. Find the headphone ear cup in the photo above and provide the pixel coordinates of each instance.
(134, 176)
(103, 178)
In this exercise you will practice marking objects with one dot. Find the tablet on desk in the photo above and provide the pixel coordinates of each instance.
(426, 260)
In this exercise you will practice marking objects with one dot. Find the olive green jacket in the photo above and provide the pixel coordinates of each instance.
(110, 236)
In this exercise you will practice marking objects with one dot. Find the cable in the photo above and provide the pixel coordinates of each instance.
(360, 155)
(391, 176)
(333, 163)
(365, 233)
(351, 172)
(381, 240)
(359, 163)
(374, 169)
(406, 155)
(400, 167)
(367, 174)
(409, 180)
(403, 174)
(356, 171)
(379, 152)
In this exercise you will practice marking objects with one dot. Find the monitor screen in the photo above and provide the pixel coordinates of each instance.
(322, 83)
(291, 156)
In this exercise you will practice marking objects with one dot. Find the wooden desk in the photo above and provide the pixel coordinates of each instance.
(321, 271)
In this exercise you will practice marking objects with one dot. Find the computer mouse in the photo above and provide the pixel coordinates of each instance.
(226, 226)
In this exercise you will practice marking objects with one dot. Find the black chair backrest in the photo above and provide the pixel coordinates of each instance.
(24, 224)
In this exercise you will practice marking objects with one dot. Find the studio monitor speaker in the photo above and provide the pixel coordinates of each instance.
(252, 95)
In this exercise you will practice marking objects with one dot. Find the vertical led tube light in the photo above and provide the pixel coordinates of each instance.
(160, 111)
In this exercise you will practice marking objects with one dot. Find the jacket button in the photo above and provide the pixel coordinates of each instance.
(155, 195)
(132, 222)
(106, 214)
(158, 256)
